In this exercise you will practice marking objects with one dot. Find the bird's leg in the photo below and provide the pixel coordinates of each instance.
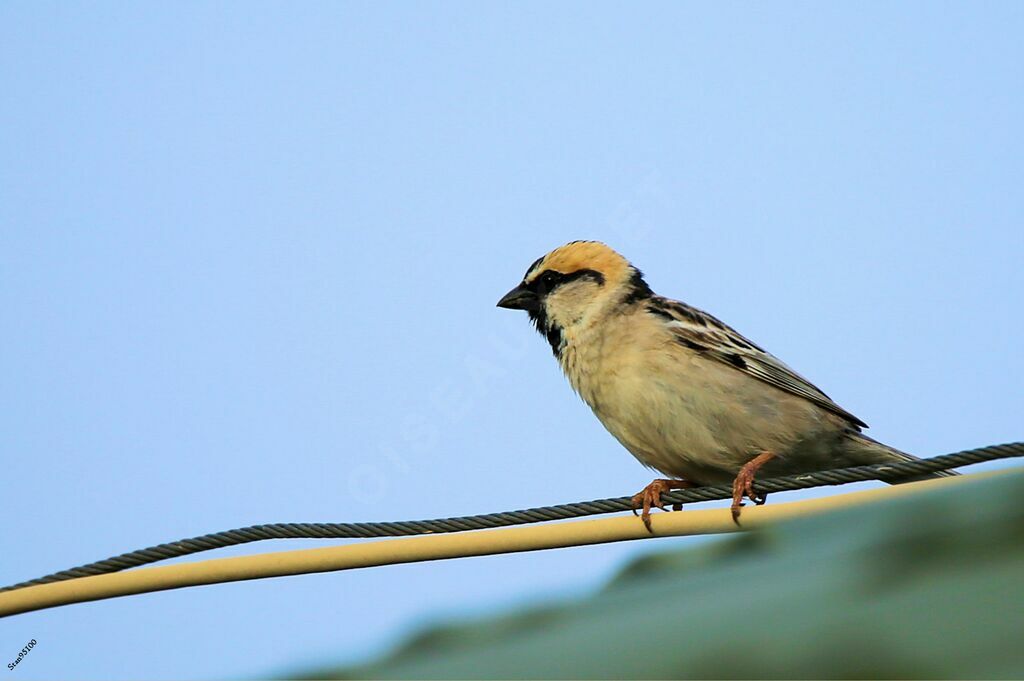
(651, 496)
(744, 484)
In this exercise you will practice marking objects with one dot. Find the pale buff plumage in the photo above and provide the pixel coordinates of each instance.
(683, 392)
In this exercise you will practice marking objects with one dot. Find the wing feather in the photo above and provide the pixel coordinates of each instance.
(704, 333)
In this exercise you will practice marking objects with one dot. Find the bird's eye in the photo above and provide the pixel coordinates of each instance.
(547, 281)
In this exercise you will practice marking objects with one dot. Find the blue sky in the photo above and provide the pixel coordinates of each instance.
(249, 255)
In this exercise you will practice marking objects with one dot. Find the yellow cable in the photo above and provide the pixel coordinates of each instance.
(432, 547)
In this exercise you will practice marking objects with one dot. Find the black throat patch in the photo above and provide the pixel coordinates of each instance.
(543, 284)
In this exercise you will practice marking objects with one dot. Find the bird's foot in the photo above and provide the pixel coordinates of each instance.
(651, 496)
(743, 485)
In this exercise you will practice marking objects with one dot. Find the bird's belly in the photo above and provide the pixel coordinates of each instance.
(702, 421)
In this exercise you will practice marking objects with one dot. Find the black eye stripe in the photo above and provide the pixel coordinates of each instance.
(549, 280)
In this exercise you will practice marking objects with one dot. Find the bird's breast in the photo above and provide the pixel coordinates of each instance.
(679, 412)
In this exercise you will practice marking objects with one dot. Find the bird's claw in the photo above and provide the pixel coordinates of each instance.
(743, 485)
(650, 496)
(753, 494)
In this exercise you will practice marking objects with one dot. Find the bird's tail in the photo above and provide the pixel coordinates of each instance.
(873, 451)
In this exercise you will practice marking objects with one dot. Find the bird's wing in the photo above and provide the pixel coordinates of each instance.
(705, 334)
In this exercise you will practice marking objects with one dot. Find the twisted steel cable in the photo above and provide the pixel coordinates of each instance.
(367, 530)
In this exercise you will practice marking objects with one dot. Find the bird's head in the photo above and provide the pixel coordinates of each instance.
(574, 285)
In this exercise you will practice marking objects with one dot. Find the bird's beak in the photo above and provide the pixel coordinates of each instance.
(520, 298)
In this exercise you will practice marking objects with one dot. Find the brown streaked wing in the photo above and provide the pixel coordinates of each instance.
(703, 333)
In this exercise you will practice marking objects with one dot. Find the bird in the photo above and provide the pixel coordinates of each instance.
(683, 392)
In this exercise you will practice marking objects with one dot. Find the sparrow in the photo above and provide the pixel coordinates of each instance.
(683, 392)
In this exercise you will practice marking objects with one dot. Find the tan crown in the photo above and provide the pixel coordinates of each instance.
(584, 255)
